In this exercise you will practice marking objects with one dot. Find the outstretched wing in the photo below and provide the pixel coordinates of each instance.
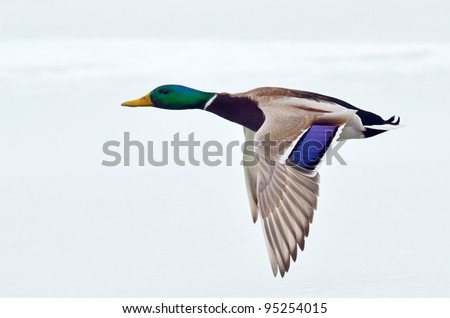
(283, 186)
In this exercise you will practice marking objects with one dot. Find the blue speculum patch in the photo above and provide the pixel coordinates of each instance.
(312, 146)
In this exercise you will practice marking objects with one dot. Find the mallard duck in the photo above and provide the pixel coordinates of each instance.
(284, 184)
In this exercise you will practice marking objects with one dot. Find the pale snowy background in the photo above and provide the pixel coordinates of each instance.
(72, 227)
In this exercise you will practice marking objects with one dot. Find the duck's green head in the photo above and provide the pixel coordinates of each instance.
(173, 97)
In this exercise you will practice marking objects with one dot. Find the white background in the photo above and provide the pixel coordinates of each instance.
(70, 227)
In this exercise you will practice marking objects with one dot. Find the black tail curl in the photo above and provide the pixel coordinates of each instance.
(394, 120)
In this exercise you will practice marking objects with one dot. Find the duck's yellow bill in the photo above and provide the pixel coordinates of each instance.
(143, 101)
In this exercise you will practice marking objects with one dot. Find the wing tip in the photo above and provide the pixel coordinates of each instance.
(275, 270)
(301, 244)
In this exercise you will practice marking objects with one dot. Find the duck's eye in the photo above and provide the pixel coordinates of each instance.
(164, 91)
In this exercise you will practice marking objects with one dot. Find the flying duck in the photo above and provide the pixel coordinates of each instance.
(291, 131)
